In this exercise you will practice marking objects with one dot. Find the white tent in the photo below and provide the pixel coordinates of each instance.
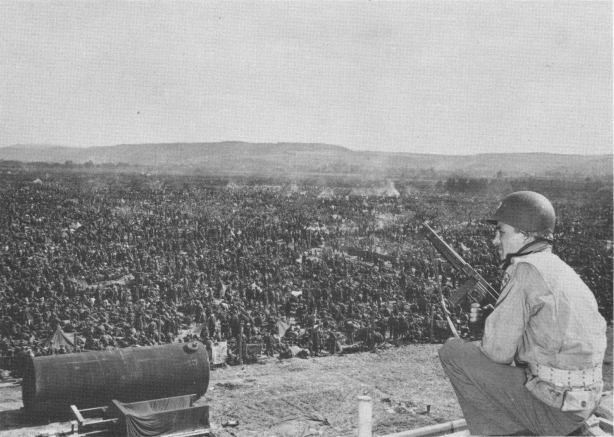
(326, 193)
(391, 192)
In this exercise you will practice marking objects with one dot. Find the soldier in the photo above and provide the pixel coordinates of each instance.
(235, 325)
(402, 327)
(316, 341)
(211, 323)
(538, 369)
(268, 343)
(332, 342)
(288, 307)
(209, 347)
(224, 326)
(392, 325)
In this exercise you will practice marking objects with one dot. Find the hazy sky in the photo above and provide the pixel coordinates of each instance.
(424, 77)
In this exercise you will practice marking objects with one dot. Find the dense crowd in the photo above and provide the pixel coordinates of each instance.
(120, 266)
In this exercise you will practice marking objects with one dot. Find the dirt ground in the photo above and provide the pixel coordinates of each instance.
(314, 396)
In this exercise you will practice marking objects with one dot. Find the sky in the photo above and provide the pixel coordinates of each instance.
(438, 77)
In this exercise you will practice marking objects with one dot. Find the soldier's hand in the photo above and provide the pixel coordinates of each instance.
(475, 313)
(479, 314)
(486, 311)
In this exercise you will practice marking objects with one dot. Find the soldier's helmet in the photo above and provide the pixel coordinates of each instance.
(526, 211)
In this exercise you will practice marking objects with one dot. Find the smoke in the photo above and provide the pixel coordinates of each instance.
(387, 190)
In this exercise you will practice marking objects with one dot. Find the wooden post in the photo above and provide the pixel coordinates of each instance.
(365, 416)
(75, 341)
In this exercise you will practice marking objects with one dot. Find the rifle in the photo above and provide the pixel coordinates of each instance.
(440, 290)
(475, 288)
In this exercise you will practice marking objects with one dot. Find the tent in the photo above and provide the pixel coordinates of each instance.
(221, 290)
(391, 192)
(326, 193)
(59, 338)
(197, 330)
(282, 327)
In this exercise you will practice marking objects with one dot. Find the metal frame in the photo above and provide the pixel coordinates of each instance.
(89, 422)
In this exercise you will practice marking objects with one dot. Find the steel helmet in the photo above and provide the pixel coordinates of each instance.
(526, 211)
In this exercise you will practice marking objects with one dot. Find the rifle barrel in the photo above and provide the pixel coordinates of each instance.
(444, 249)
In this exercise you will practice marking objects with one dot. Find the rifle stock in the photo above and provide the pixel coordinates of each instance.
(475, 288)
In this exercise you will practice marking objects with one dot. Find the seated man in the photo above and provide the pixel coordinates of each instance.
(537, 370)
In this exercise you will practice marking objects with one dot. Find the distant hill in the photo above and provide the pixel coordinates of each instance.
(36, 146)
(315, 158)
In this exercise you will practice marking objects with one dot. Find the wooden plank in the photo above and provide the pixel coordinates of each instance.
(88, 413)
(77, 415)
(434, 430)
(102, 432)
(193, 433)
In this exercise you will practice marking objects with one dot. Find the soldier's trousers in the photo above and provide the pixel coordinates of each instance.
(494, 399)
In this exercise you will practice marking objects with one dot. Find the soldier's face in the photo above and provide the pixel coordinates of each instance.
(508, 240)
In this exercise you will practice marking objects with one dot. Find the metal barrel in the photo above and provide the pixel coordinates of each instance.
(52, 383)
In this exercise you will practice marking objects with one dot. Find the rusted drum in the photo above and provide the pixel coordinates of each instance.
(52, 383)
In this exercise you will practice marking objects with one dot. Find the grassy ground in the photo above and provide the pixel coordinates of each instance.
(401, 382)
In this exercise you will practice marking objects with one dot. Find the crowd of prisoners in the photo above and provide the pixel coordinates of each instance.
(119, 263)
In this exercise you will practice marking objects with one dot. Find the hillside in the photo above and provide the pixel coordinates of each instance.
(282, 397)
(314, 158)
(264, 397)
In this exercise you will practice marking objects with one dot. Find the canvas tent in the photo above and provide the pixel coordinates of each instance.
(282, 327)
(326, 193)
(391, 192)
(59, 338)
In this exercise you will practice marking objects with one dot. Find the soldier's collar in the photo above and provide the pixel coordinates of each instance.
(538, 245)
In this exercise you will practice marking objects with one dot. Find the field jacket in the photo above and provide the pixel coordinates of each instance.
(546, 315)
